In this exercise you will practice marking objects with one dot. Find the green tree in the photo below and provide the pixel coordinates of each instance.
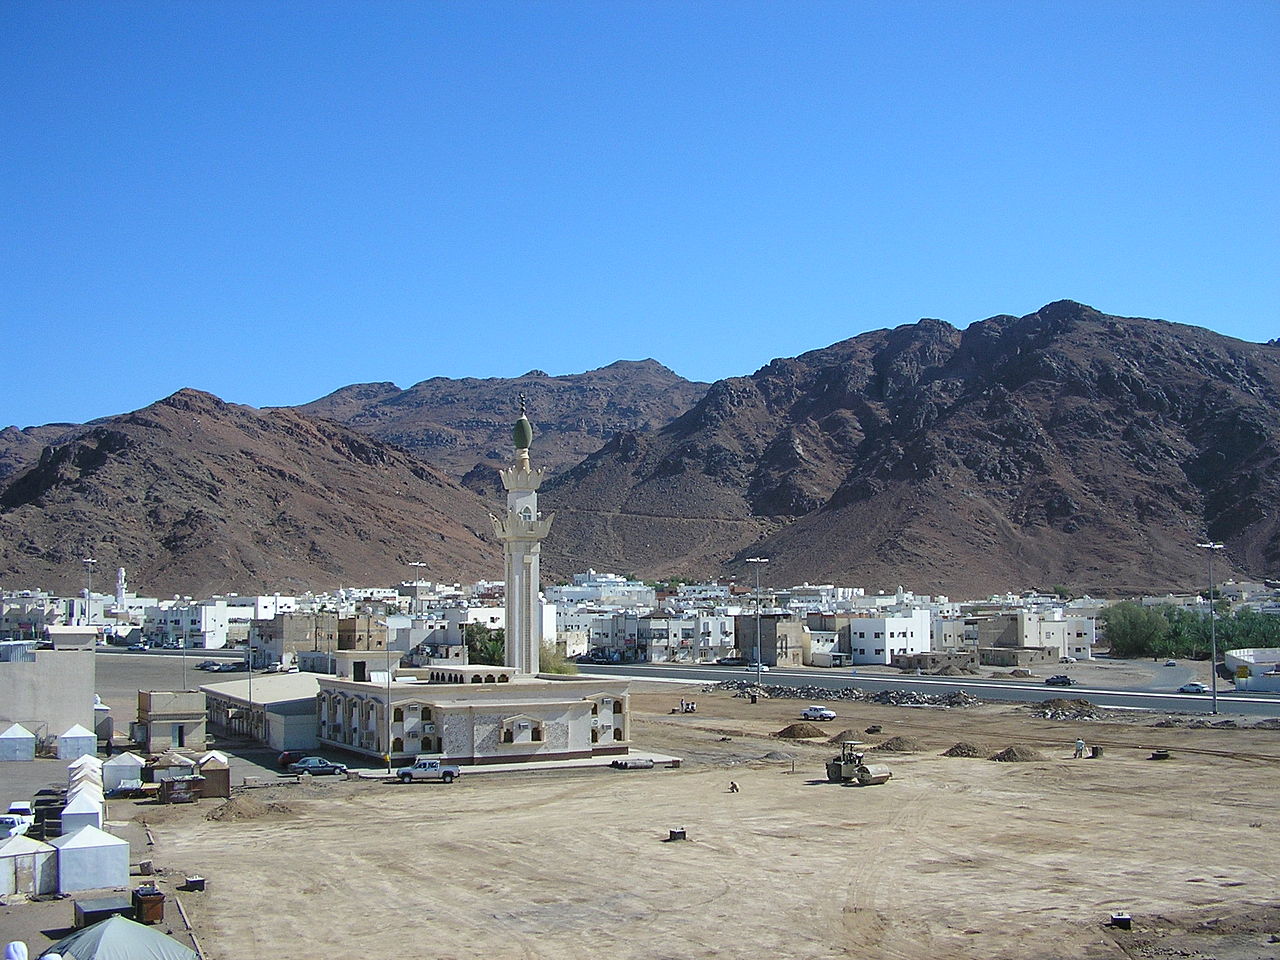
(1134, 630)
(484, 645)
(551, 660)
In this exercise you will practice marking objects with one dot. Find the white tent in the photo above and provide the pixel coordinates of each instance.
(125, 766)
(91, 859)
(85, 760)
(84, 775)
(119, 938)
(82, 810)
(27, 867)
(77, 742)
(17, 743)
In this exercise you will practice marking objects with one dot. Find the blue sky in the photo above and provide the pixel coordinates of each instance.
(269, 201)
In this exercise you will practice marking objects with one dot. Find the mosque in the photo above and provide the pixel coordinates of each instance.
(480, 713)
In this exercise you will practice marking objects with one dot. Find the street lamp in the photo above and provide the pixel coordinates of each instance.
(1212, 546)
(759, 646)
(88, 589)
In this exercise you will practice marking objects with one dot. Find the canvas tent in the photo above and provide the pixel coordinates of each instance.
(17, 743)
(27, 867)
(91, 859)
(77, 742)
(83, 810)
(124, 766)
(119, 938)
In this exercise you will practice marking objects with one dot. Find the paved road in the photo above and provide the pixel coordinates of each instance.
(1251, 704)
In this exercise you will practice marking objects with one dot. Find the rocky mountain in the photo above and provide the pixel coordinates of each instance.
(1064, 447)
(20, 448)
(193, 495)
(457, 425)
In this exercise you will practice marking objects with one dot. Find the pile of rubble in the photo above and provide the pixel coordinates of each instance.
(895, 698)
(1060, 709)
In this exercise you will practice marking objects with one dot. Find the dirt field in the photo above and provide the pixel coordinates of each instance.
(951, 858)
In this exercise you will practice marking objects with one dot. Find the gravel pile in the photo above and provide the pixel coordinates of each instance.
(248, 808)
(844, 735)
(963, 749)
(900, 745)
(1018, 755)
(800, 731)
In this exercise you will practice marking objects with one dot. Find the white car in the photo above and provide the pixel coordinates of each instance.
(817, 713)
(1193, 688)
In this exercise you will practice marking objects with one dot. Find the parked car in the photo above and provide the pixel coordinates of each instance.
(1171, 663)
(732, 661)
(288, 758)
(817, 713)
(752, 665)
(207, 665)
(138, 646)
(1193, 688)
(1059, 680)
(426, 768)
(317, 767)
(1066, 659)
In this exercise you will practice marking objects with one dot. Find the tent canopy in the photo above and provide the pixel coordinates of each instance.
(118, 938)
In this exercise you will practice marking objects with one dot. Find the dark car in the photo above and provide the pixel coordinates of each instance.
(1059, 680)
(732, 661)
(288, 758)
(317, 767)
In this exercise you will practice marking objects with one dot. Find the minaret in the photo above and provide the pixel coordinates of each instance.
(522, 531)
(120, 588)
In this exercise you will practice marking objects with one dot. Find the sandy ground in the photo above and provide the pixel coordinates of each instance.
(951, 858)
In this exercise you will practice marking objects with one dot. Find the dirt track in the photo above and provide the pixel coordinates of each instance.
(951, 858)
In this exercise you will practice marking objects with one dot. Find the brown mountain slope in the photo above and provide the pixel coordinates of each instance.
(458, 424)
(1066, 447)
(194, 495)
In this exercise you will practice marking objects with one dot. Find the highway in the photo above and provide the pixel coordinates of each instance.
(1031, 691)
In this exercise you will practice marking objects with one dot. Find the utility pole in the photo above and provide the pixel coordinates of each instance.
(759, 644)
(88, 589)
(1212, 546)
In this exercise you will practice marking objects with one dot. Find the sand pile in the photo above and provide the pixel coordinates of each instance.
(900, 745)
(801, 731)
(248, 808)
(843, 735)
(963, 749)
(950, 670)
(1018, 755)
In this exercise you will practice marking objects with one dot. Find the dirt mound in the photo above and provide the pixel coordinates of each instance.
(900, 745)
(950, 670)
(800, 731)
(248, 808)
(843, 735)
(963, 749)
(1021, 674)
(1018, 755)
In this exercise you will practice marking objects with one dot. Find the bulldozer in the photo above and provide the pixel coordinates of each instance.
(850, 767)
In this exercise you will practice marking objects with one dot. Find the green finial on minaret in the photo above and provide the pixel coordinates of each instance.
(522, 433)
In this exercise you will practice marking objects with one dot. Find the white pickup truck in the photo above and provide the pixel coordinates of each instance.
(17, 821)
(425, 768)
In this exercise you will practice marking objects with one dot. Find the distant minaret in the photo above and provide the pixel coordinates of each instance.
(522, 531)
(120, 588)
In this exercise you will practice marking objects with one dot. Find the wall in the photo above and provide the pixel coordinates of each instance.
(50, 695)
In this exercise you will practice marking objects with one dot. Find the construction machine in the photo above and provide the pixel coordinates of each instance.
(851, 767)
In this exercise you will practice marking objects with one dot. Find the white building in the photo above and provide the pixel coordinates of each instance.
(877, 640)
(203, 625)
(603, 589)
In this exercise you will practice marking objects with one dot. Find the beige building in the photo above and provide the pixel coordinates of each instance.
(469, 714)
(170, 720)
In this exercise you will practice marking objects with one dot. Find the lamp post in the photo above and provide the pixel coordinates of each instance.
(759, 646)
(1212, 546)
(88, 589)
